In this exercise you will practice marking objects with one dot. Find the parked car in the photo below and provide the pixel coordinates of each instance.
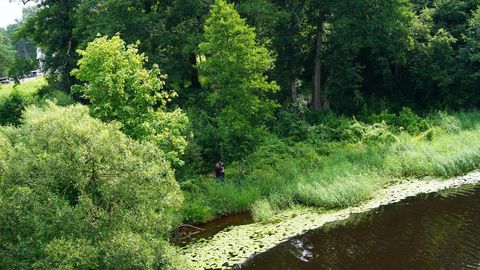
(35, 73)
(5, 80)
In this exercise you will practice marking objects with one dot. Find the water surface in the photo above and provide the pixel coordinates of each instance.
(189, 234)
(434, 231)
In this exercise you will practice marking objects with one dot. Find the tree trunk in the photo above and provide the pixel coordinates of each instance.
(293, 87)
(326, 100)
(326, 104)
(317, 76)
(194, 72)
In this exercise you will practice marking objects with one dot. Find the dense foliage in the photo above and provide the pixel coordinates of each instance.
(234, 70)
(119, 88)
(340, 163)
(6, 54)
(18, 55)
(351, 58)
(318, 103)
(12, 107)
(355, 55)
(78, 194)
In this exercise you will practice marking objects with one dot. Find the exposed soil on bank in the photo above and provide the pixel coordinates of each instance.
(187, 234)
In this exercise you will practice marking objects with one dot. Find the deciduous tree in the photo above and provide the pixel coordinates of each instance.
(235, 68)
(121, 89)
(76, 193)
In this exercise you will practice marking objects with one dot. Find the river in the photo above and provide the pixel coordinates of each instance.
(433, 231)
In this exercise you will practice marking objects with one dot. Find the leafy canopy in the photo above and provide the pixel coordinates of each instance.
(119, 88)
(76, 193)
(6, 54)
(234, 69)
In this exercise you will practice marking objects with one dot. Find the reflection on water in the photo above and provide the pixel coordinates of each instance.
(435, 231)
(186, 235)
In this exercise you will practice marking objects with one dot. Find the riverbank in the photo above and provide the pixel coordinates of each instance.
(341, 163)
(235, 245)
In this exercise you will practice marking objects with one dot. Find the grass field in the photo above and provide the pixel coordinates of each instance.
(29, 86)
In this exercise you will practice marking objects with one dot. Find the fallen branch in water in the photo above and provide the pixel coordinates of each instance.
(189, 226)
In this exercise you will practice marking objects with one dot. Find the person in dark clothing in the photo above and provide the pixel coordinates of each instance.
(219, 170)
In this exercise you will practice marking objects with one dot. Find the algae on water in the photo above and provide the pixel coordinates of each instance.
(235, 245)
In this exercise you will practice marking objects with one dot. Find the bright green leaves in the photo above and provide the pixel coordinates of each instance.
(76, 193)
(119, 88)
(235, 69)
(117, 84)
(6, 54)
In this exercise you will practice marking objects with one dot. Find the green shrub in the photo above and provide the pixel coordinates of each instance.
(197, 211)
(71, 184)
(58, 97)
(12, 107)
(69, 255)
(262, 211)
(448, 123)
(374, 133)
(411, 122)
(406, 120)
(14, 104)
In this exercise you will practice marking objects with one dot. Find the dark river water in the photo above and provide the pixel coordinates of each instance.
(434, 231)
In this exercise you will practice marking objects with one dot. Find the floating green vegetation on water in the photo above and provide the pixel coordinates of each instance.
(263, 211)
(236, 244)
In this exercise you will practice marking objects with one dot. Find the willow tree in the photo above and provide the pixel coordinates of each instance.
(76, 193)
(234, 68)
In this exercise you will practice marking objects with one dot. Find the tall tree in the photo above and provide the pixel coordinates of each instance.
(51, 28)
(439, 67)
(6, 53)
(354, 47)
(469, 57)
(235, 67)
(120, 88)
(169, 30)
(25, 59)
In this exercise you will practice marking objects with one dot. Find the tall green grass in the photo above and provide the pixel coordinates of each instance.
(337, 174)
(27, 87)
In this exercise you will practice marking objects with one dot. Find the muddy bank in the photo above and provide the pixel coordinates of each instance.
(187, 234)
(236, 244)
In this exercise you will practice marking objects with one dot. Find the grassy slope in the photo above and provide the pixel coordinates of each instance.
(336, 175)
(25, 87)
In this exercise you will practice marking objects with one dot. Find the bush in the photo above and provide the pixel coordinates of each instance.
(406, 120)
(69, 255)
(11, 108)
(60, 98)
(448, 123)
(411, 122)
(375, 133)
(78, 194)
(262, 211)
